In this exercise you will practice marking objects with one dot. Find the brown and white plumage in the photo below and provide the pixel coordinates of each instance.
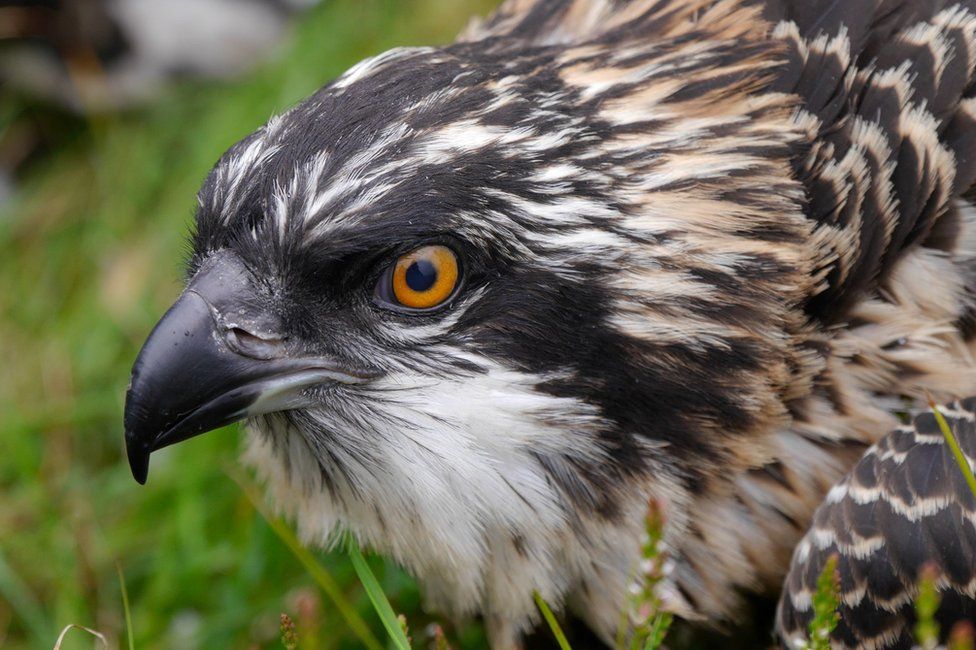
(905, 506)
(710, 247)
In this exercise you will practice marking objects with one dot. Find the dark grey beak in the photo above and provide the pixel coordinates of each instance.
(216, 357)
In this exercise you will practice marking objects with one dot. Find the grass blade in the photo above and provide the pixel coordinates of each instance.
(308, 560)
(950, 438)
(551, 621)
(75, 626)
(22, 602)
(125, 607)
(376, 596)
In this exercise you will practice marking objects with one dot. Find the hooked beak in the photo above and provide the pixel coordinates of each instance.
(214, 358)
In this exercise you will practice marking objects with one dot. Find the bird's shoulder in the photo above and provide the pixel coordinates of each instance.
(884, 100)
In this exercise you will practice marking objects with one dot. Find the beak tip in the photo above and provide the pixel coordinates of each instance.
(138, 461)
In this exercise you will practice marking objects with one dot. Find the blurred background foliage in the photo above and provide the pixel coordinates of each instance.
(91, 246)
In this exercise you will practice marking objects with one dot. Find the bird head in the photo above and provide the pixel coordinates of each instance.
(467, 300)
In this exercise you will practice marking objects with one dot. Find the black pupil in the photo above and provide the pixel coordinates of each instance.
(421, 275)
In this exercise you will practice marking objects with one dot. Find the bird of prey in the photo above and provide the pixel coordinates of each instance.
(478, 304)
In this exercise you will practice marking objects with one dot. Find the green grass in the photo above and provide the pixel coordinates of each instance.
(127, 610)
(551, 622)
(321, 575)
(395, 628)
(91, 256)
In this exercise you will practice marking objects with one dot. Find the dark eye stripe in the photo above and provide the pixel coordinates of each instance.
(421, 275)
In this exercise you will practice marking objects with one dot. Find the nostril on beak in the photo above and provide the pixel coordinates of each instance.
(257, 347)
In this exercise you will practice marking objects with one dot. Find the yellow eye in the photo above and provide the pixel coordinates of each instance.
(425, 277)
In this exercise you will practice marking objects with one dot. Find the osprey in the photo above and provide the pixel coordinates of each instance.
(479, 304)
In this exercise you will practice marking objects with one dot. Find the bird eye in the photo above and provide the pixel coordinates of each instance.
(422, 279)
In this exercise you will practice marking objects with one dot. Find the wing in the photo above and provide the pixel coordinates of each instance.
(905, 505)
(887, 99)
